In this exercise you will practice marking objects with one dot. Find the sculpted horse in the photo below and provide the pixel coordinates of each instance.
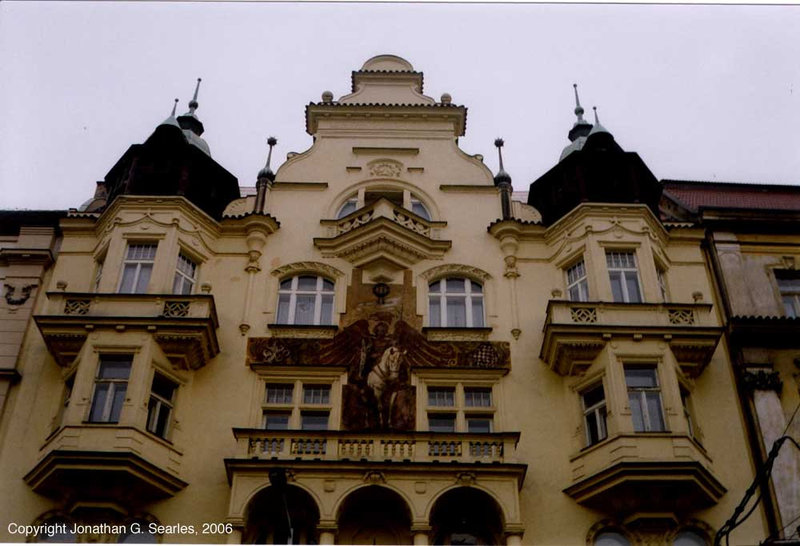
(385, 372)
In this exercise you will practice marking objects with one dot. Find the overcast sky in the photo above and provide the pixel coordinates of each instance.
(700, 92)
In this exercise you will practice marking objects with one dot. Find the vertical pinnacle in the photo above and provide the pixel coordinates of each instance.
(193, 103)
(578, 107)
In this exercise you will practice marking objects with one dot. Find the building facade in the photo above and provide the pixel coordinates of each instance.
(378, 346)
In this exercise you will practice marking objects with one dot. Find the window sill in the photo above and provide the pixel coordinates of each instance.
(325, 331)
(436, 333)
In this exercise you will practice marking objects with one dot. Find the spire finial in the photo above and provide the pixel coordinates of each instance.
(265, 179)
(193, 103)
(499, 142)
(174, 106)
(578, 107)
(267, 171)
(596, 120)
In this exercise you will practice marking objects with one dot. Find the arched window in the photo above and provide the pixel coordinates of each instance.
(455, 302)
(348, 207)
(611, 538)
(305, 299)
(401, 198)
(689, 538)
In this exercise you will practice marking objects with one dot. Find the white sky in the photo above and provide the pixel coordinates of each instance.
(700, 92)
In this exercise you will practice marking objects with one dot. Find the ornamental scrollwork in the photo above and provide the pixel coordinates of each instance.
(455, 270)
(14, 298)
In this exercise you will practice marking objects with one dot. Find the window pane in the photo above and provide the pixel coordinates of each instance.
(144, 278)
(317, 394)
(435, 311)
(304, 309)
(283, 309)
(616, 285)
(435, 287)
(163, 387)
(286, 285)
(481, 425)
(327, 285)
(119, 399)
(128, 276)
(158, 415)
(640, 377)
(420, 210)
(632, 282)
(637, 414)
(441, 422)
(455, 285)
(477, 312)
(307, 283)
(99, 402)
(279, 394)
(276, 421)
(593, 396)
(441, 396)
(574, 293)
(456, 312)
(314, 421)
(592, 428)
(654, 413)
(478, 397)
(113, 367)
(326, 314)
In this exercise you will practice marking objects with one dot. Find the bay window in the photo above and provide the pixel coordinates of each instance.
(137, 268)
(110, 387)
(624, 276)
(644, 397)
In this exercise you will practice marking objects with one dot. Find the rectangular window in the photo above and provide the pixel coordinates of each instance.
(442, 422)
(478, 397)
(110, 387)
(662, 283)
(98, 275)
(789, 287)
(687, 412)
(442, 397)
(280, 393)
(314, 420)
(159, 409)
(275, 420)
(185, 275)
(594, 414)
(624, 276)
(316, 394)
(137, 268)
(644, 396)
(577, 286)
(479, 423)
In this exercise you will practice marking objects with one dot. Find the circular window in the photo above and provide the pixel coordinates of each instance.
(611, 538)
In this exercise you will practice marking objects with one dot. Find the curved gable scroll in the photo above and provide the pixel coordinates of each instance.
(457, 270)
(297, 268)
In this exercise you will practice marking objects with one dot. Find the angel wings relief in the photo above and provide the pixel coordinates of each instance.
(379, 354)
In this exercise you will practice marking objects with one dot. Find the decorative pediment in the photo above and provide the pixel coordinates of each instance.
(383, 231)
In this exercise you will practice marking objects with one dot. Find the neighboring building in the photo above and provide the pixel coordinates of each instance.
(29, 242)
(378, 346)
(753, 233)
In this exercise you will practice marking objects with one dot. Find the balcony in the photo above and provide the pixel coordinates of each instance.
(415, 447)
(576, 332)
(106, 462)
(383, 230)
(184, 326)
(653, 472)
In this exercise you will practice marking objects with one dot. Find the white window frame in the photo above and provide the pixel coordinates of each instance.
(161, 405)
(580, 282)
(661, 278)
(319, 292)
(461, 409)
(641, 392)
(624, 271)
(596, 413)
(137, 264)
(183, 277)
(468, 296)
(297, 406)
(114, 384)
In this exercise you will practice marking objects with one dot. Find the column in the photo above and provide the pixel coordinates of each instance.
(420, 532)
(327, 532)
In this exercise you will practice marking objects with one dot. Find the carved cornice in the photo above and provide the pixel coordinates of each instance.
(297, 268)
